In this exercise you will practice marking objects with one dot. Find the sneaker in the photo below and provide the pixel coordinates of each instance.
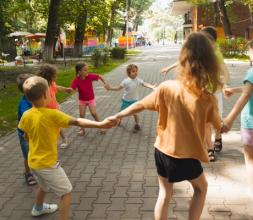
(137, 128)
(64, 144)
(47, 208)
(81, 132)
(30, 180)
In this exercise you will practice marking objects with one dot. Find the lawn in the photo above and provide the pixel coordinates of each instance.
(10, 95)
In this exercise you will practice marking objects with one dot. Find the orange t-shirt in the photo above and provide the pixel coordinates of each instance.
(182, 119)
(53, 90)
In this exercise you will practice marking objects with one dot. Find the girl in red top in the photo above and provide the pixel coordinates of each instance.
(84, 86)
(48, 72)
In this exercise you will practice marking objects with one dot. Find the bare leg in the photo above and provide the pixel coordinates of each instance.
(197, 203)
(164, 197)
(248, 155)
(65, 206)
(94, 112)
(208, 142)
(27, 168)
(40, 197)
(82, 110)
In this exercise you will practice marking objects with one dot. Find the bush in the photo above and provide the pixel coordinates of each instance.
(100, 56)
(233, 47)
(118, 53)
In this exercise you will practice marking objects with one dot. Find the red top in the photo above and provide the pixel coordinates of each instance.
(85, 87)
(53, 90)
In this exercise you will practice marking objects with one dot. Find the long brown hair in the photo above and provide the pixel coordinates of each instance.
(198, 65)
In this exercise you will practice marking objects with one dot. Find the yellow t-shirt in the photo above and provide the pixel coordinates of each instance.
(42, 126)
(182, 119)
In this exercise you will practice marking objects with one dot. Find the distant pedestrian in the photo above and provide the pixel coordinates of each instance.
(244, 105)
(130, 86)
(49, 72)
(41, 126)
(184, 106)
(84, 86)
(23, 106)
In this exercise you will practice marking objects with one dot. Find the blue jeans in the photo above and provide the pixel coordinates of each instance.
(24, 145)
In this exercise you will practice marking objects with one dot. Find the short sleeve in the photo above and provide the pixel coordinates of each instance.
(153, 100)
(94, 77)
(22, 125)
(140, 81)
(61, 119)
(74, 84)
(213, 115)
(123, 83)
(249, 76)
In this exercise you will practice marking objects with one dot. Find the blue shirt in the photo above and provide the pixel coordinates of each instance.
(23, 106)
(247, 112)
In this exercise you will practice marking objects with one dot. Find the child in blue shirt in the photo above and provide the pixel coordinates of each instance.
(244, 105)
(23, 106)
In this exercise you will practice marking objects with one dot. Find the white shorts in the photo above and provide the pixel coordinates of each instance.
(53, 178)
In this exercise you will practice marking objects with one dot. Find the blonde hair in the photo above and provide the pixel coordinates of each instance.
(198, 65)
(35, 87)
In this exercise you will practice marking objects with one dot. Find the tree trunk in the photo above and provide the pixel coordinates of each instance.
(110, 27)
(79, 36)
(51, 31)
(224, 18)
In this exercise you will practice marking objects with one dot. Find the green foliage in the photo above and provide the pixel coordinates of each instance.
(100, 57)
(118, 53)
(233, 47)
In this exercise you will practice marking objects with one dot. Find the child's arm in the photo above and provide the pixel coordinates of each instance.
(64, 89)
(169, 68)
(132, 109)
(106, 84)
(241, 102)
(228, 92)
(86, 123)
(148, 85)
(115, 88)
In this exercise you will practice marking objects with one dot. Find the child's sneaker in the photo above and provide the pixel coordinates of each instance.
(64, 143)
(81, 132)
(137, 128)
(30, 180)
(47, 208)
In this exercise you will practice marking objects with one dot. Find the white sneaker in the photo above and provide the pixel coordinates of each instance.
(64, 144)
(47, 208)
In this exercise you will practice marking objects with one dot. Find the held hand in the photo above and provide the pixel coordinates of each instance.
(154, 86)
(164, 70)
(227, 125)
(107, 86)
(228, 92)
(109, 122)
(69, 90)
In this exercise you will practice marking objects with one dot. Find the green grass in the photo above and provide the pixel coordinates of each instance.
(133, 52)
(10, 95)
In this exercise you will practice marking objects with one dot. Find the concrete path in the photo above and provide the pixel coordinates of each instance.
(114, 175)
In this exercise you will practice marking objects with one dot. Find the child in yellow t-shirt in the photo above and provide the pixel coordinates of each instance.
(41, 126)
(184, 106)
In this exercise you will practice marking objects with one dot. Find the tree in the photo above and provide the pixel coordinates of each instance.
(52, 30)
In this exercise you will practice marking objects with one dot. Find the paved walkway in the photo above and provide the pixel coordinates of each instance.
(114, 176)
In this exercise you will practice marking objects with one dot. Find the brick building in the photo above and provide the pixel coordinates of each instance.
(196, 17)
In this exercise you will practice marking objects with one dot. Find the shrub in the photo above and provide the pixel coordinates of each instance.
(118, 53)
(100, 56)
(233, 47)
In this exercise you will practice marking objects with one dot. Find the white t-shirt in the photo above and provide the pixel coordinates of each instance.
(131, 88)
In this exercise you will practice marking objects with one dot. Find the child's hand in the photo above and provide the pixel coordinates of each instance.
(69, 90)
(228, 92)
(109, 122)
(226, 126)
(154, 86)
(164, 70)
(107, 86)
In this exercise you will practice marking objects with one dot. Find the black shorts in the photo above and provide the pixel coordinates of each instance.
(177, 169)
